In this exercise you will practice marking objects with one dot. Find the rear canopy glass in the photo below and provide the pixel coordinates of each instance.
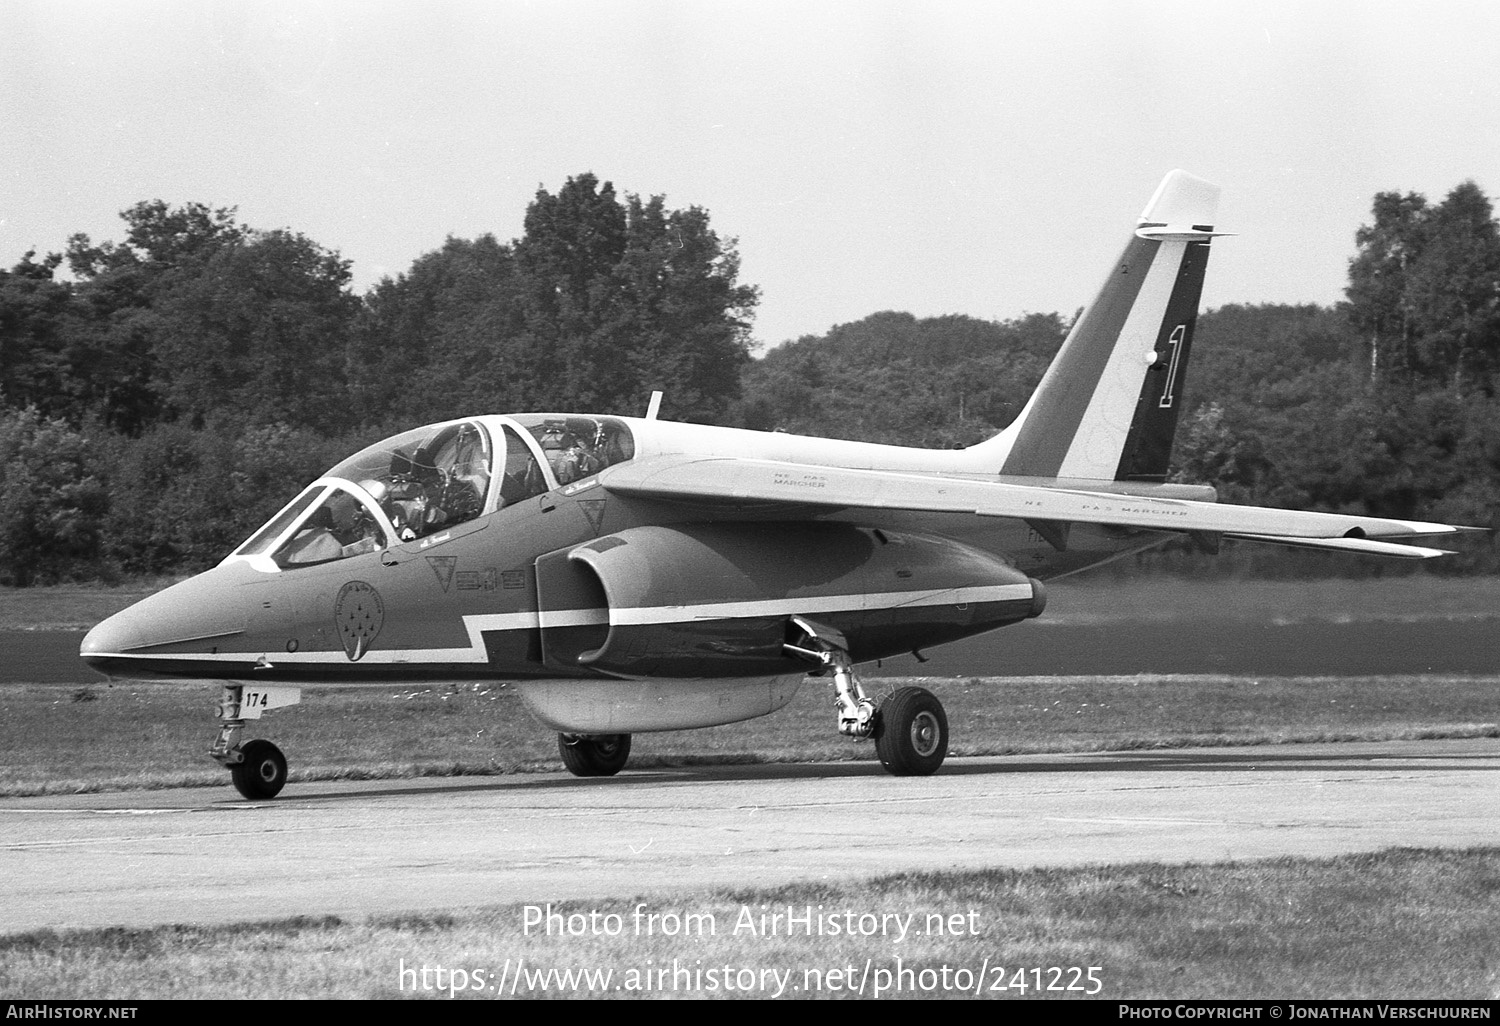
(426, 479)
(575, 446)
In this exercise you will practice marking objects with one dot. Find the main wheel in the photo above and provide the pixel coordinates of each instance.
(262, 774)
(594, 755)
(911, 735)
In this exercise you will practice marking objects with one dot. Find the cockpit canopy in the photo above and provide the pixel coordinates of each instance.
(423, 481)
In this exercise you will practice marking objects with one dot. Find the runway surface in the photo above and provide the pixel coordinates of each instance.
(355, 849)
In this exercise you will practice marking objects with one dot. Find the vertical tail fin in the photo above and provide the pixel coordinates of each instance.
(1107, 407)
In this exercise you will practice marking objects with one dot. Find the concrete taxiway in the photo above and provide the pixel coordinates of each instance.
(355, 849)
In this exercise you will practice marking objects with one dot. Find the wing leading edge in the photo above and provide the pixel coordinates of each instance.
(767, 484)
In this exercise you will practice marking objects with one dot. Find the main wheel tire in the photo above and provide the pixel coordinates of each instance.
(594, 755)
(262, 774)
(911, 734)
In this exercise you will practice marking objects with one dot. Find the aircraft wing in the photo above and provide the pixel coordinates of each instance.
(767, 484)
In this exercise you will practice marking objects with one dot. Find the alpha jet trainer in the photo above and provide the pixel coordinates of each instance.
(633, 574)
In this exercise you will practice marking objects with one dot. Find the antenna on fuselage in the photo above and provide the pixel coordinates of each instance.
(654, 407)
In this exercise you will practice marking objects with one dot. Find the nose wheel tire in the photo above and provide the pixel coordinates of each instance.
(911, 736)
(262, 774)
(594, 755)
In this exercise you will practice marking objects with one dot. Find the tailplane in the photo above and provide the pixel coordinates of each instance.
(1107, 407)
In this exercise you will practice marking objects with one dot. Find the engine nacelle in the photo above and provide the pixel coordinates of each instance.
(704, 600)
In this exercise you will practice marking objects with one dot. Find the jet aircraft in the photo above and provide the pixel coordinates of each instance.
(634, 574)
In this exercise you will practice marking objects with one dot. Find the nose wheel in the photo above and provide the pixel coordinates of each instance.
(262, 774)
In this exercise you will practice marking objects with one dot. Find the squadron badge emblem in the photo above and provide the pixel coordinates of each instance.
(359, 614)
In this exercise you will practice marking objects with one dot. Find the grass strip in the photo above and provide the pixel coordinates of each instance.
(1403, 923)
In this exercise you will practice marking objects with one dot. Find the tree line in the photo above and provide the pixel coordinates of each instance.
(168, 392)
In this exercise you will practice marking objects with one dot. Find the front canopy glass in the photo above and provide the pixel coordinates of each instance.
(339, 527)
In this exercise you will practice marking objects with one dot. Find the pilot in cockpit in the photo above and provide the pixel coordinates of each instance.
(404, 504)
(340, 527)
(424, 501)
(570, 456)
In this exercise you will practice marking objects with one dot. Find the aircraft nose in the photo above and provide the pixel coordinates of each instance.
(120, 633)
(191, 616)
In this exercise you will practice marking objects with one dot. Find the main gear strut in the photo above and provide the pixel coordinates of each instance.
(830, 650)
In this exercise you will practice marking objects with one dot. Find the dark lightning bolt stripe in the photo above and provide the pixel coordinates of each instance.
(1148, 445)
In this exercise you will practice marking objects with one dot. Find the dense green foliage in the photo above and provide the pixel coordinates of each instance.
(166, 394)
(52, 503)
(938, 382)
(599, 303)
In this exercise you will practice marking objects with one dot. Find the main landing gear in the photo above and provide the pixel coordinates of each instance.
(257, 768)
(594, 755)
(911, 733)
(909, 727)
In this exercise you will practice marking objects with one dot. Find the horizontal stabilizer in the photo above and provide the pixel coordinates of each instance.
(1368, 546)
(1181, 232)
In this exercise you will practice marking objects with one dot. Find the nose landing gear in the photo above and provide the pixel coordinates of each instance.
(257, 768)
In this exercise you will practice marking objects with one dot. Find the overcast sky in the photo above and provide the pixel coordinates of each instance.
(977, 158)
